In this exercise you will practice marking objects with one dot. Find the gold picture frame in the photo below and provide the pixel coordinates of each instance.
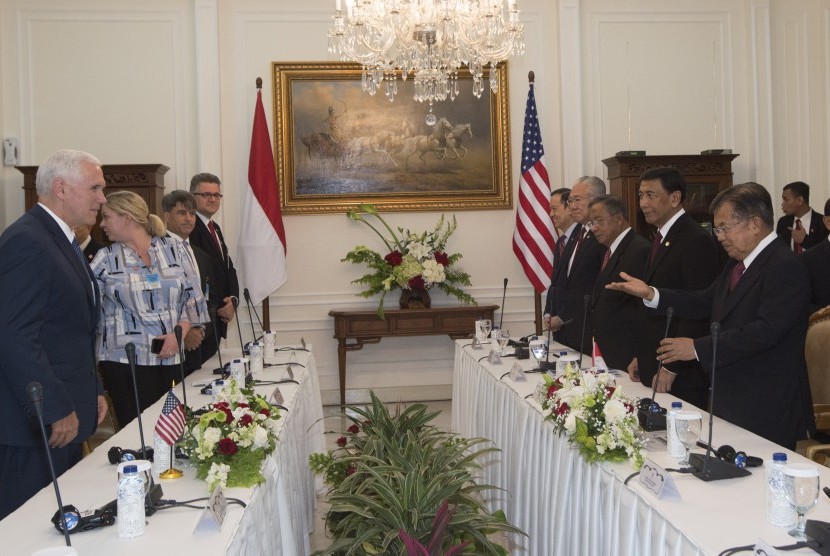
(337, 146)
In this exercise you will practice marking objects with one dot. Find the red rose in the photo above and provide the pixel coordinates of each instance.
(628, 407)
(417, 283)
(351, 469)
(265, 412)
(242, 405)
(227, 447)
(245, 420)
(562, 409)
(354, 429)
(609, 391)
(228, 414)
(394, 258)
(341, 441)
(442, 258)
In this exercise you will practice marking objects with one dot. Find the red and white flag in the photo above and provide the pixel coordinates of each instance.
(170, 425)
(261, 245)
(534, 235)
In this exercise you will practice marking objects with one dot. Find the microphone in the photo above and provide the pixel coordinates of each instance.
(652, 417)
(213, 322)
(35, 392)
(503, 295)
(586, 301)
(177, 330)
(252, 308)
(235, 301)
(707, 467)
(154, 494)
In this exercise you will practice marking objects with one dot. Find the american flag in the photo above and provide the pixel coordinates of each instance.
(534, 235)
(170, 425)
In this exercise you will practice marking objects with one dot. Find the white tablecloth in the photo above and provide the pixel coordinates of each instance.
(279, 514)
(568, 506)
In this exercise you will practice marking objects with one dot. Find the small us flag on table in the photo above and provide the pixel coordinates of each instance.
(170, 425)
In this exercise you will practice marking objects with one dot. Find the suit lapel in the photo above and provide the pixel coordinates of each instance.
(566, 255)
(665, 246)
(726, 300)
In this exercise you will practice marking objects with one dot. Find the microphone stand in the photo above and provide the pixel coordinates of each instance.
(35, 393)
(177, 330)
(503, 295)
(585, 302)
(547, 365)
(235, 301)
(652, 419)
(155, 493)
(213, 322)
(252, 308)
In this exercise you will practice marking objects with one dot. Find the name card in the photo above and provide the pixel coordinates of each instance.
(494, 358)
(517, 374)
(290, 372)
(276, 396)
(658, 481)
(213, 515)
(764, 549)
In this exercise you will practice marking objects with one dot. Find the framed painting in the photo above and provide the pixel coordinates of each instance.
(337, 146)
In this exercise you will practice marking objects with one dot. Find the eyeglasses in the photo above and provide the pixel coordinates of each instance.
(216, 196)
(723, 229)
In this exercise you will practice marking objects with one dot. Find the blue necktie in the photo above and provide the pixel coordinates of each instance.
(77, 247)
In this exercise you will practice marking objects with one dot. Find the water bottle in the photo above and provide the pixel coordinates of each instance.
(161, 455)
(779, 511)
(674, 447)
(130, 503)
(238, 372)
(256, 352)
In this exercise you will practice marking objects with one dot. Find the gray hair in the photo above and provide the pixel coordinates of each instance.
(64, 164)
(596, 186)
(748, 200)
(204, 177)
(169, 201)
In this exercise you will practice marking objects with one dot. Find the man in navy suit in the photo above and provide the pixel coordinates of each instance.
(760, 300)
(614, 315)
(801, 227)
(207, 236)
(576, 273)
(48, 324)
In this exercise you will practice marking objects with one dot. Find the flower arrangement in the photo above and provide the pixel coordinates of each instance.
(413, 261)
(397, 483)
(229, 440)
(595, 416)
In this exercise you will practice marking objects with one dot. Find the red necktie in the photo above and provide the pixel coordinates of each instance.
(605, 259)
(655, 245)
(212, 228)
(560, 244)
(797, 246)
(735, 276)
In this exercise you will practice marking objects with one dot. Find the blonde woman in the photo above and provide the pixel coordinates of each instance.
(148, 286)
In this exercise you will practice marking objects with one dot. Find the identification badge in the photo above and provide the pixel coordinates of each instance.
(153, 281)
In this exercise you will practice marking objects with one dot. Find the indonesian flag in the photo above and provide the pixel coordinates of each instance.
(534, 234)
(597, 360)
(262, 245)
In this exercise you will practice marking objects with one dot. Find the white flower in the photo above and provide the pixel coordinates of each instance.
(211, 436)
(217, 476)
(570, 422)
(260, 437)
(434, 271)
(614, 410)
(417, 250)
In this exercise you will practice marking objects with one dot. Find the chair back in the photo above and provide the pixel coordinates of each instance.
(817, 352)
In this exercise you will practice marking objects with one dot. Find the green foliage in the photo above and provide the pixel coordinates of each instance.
(394, 474)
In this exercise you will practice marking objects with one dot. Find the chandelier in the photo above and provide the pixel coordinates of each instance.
(428, 40)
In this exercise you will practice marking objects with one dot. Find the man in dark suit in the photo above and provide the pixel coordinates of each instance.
(574, 278)
(801, 227)
(817, 260)
(207, 236)
(614, 314)
(50, 307)
(759, 300)
(179, 209)
(683, 256)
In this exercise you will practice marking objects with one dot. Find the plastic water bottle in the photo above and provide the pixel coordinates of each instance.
(779, 511)
(674, 447)
(256, 352)
(130, 503)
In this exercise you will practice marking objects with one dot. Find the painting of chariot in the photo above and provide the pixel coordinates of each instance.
(337, 146)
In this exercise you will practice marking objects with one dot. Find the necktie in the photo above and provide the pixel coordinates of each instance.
(605, 259)
(655, 245)
(797, 246)
(560, 244)
(77, 248)
(735, 276)
(212, 227)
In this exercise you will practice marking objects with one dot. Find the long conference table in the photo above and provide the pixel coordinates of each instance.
(568, 506)
(280, 512)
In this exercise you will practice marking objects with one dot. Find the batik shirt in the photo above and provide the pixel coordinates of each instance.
(141, 302)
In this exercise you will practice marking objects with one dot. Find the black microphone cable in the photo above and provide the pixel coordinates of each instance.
(167, 504)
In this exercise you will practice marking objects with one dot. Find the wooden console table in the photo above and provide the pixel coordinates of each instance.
(364, 327)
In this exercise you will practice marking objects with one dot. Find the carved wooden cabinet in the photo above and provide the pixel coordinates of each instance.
(147, 180)
(707, 175)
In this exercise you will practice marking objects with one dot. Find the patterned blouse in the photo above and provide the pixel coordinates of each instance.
(139, 303)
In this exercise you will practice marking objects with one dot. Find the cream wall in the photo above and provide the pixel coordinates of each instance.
(172, 81)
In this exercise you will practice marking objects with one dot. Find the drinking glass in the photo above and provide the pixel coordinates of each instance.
(484, 326)
(801, 486)
(687, 425)
(502, 338)
(538, 349)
